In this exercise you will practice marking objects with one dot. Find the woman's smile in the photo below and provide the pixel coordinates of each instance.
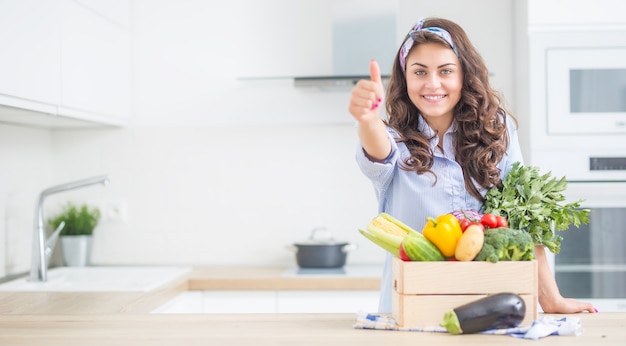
(434, 98)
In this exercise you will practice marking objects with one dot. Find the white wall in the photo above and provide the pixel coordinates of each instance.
(26, 159)
(223, 194)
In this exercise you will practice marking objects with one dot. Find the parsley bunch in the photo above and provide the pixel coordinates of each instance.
(534, 203)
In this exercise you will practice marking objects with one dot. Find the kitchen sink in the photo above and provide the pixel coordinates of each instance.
(99, 279)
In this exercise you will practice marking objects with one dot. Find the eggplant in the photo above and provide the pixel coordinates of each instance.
(496, 311)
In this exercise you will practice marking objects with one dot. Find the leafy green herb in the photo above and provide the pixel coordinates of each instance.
(79, 220)
(535, 203)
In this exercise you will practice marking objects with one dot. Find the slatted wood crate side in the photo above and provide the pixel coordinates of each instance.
(451, 277)
(423, 311)
(424, 291)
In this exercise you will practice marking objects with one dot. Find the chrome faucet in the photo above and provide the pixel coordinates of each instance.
(42, 248)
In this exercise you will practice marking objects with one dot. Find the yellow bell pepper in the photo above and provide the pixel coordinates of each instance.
(444, 232)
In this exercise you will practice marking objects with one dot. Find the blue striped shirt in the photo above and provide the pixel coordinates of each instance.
(412, 197)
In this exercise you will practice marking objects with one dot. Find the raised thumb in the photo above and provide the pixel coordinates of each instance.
(375, 72)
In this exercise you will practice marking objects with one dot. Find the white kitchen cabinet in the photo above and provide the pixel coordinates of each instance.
(327, 301)
(95, 65)
(30, 63)
(239, 302)
(254, 301)
(64, 63)
(555, 14)
(189, 302)
(117, 11)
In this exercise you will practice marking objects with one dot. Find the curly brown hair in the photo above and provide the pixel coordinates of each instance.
(481, 138)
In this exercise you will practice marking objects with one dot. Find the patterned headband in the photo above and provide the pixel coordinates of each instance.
(408, 44)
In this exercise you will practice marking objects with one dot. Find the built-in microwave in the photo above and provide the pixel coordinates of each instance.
(577, 103)
(586, 90)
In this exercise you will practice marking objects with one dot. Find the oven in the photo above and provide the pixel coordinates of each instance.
(591, 265)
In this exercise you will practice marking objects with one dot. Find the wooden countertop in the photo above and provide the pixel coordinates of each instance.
(123, 318)
(263, 329)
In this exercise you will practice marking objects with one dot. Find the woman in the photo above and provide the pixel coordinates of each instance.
(446, 141)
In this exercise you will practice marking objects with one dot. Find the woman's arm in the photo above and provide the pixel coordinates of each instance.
(550, 298)
(374, 140)
(365, 103)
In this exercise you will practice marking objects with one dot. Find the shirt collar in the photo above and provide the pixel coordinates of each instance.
(424, 128)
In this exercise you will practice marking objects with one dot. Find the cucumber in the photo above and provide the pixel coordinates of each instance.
(497, 311)
(418, 248)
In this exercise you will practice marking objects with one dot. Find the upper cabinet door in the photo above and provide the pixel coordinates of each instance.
(95, 66)
(117, 11)
(556, 14)
(30, 60)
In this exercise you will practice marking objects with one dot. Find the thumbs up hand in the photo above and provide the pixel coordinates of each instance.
(367, 96)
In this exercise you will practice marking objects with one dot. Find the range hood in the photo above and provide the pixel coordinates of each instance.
(361, 31)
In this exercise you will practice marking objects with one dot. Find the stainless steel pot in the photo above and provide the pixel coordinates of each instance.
(322, 251)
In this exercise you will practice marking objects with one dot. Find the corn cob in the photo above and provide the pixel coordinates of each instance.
(387, 232)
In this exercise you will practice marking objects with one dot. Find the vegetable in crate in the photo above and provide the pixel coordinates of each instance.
(470, 243)
(444, 232)
(497, 311)
(473, 217)
(387, 232)
(535, 203)
(390, 233)
(418, 248)
(469, 214)
(506, 244)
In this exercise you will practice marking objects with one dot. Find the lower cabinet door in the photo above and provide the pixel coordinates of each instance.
(189, 302)
(232, 302)
(327, 301)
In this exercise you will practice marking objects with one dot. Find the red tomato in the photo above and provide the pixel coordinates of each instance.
(489, 221)
(464, 223)
(502, 221)
(403, 255)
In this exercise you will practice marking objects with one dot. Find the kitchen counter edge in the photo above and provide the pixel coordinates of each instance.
(203, 278)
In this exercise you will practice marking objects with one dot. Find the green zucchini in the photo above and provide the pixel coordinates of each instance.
(418, 248)
(496, 311)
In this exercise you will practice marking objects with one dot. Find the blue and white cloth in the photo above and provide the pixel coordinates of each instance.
(545, 326)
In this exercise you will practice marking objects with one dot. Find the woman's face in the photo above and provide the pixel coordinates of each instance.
(434, 79)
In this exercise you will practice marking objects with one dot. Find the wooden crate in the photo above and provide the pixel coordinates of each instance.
(424, 291)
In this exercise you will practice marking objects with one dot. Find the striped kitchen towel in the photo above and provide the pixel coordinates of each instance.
(545, 326)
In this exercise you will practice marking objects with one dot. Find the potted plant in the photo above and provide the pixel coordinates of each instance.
(76, 235)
